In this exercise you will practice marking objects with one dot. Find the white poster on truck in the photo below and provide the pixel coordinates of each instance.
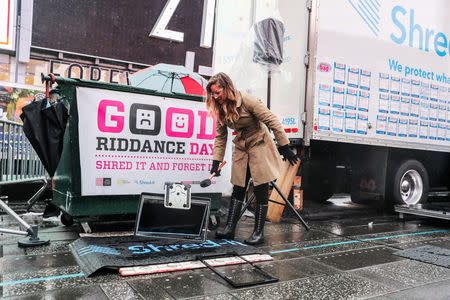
(392, 58)
(133, 143)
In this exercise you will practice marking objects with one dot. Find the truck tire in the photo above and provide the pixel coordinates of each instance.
(410, 183)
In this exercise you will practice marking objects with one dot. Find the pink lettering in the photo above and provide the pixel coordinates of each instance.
(101, 117)
(211, 147)
(188, 167)
(203, 119)
(179, 122)
(194, 148)
(204, 150)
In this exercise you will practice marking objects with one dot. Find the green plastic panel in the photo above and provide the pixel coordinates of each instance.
(67, 180)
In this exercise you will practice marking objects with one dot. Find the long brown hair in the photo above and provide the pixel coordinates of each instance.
(228, 110)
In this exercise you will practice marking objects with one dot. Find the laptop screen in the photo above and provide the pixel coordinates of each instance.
(154, 219)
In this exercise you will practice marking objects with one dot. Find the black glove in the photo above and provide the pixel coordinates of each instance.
(215, 166)
(288, 154)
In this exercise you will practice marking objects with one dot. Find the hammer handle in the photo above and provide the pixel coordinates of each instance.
(218, 169)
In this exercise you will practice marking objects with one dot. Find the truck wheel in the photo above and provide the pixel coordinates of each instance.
(410, 183)
(66, 219)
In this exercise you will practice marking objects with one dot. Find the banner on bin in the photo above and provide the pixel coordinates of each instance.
(131, 143)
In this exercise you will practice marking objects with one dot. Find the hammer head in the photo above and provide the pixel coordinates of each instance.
(205, 183)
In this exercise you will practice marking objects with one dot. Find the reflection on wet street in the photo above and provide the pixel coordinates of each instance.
(348, 253)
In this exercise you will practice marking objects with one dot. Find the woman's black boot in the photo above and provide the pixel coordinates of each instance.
(233, 214)
(262, 199)
(257, 236)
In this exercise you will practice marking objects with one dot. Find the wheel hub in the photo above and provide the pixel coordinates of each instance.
(411, 187)
(405, 186)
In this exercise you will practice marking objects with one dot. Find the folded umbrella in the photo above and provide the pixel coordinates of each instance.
(44, 126)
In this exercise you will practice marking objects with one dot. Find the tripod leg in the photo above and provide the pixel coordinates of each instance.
(35, 198)
(247, 200)
(246, 204)
(290, 205)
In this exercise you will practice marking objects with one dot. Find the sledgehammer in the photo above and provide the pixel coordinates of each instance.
(207, 182)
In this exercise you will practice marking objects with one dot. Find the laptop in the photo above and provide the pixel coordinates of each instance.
(157, 221)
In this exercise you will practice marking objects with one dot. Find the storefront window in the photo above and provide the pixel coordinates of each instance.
(12, 100)
(4, 72)
(34, 70)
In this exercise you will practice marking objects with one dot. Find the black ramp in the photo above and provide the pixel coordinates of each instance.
(428, 254)
(93, 253)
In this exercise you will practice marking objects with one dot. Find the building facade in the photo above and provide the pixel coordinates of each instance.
(98, 40)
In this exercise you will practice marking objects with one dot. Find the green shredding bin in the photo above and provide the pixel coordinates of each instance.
(67, 180)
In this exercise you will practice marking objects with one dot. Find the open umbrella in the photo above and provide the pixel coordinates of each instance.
(44, 124)
(170, 79)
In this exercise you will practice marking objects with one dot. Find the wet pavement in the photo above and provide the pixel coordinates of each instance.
(348, 254)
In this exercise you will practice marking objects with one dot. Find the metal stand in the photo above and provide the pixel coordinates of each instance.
(269, 85)
(31, 231)
(252, 197)
(35, 197)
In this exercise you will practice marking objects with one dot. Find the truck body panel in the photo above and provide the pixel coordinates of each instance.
(378, 74)
(374, 103)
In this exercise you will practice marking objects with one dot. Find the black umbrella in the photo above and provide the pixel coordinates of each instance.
(44, 125)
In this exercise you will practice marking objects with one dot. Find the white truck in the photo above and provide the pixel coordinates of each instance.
(363, 90)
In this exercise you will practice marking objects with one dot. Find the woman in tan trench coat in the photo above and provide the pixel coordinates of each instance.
(255, 153)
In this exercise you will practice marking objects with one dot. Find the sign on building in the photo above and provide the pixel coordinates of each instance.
(144, 32)
(7, 23)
